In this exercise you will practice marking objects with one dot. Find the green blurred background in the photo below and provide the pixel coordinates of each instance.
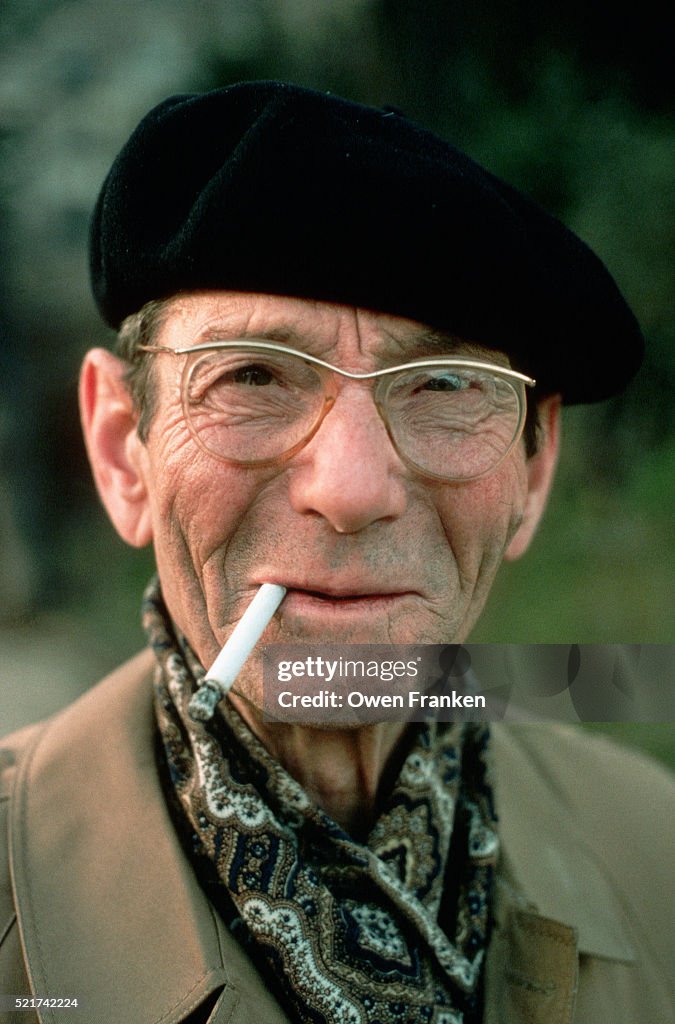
(572, 103)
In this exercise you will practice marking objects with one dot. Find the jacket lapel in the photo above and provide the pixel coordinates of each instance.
(109, 908)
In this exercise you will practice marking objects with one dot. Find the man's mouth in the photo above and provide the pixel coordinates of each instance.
(338, 600)
(322, 595)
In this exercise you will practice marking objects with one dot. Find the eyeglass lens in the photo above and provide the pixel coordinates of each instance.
(450, 421)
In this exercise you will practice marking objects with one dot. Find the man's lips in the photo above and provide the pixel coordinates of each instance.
(332, 600)
(340, 599)
(342, 592)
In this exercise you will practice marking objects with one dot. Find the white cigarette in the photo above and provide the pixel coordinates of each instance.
(227, 666)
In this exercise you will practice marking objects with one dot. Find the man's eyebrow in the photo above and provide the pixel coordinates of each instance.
(425, 341)
(283, 334)
(443, 342)
(430, 341)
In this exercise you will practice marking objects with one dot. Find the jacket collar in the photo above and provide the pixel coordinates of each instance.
(110, 910)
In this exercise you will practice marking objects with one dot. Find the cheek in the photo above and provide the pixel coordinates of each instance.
(193, 496)
(482, 515)
(197, 504)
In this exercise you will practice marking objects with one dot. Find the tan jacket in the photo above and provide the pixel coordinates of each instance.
(98, 901)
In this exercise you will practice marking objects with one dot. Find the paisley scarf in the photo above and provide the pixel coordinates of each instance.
(393, 929)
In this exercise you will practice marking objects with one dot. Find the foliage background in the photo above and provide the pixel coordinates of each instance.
(572, 103)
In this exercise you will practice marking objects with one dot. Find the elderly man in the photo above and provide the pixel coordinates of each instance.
(330, 327)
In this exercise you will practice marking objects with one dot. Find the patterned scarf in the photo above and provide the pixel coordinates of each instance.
(345, 932)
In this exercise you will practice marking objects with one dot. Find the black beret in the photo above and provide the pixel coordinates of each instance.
(267, 187)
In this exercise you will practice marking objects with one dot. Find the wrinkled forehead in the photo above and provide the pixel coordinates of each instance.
(346, 334)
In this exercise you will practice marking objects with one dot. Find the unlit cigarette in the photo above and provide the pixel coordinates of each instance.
(227, 666)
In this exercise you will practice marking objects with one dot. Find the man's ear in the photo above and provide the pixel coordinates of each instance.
(115, 451)
(540, 470)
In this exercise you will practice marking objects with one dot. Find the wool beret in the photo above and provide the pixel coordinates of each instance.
(268, 187)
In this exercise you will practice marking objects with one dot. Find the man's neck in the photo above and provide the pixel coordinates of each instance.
(344, 771)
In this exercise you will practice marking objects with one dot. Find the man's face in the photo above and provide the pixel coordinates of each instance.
(370, 550)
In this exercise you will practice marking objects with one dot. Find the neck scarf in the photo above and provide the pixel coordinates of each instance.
(391, 930)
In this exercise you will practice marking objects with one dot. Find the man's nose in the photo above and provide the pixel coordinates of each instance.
(350, 473)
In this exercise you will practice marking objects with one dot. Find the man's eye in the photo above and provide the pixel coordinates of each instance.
(257, 376)
(446, 382)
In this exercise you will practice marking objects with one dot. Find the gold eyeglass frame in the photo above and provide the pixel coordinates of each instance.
(517, 380)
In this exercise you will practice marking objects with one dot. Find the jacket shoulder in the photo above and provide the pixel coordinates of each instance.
(15, 746)
(607, 788)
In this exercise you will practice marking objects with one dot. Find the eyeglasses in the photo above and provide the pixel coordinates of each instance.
(258, 403)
